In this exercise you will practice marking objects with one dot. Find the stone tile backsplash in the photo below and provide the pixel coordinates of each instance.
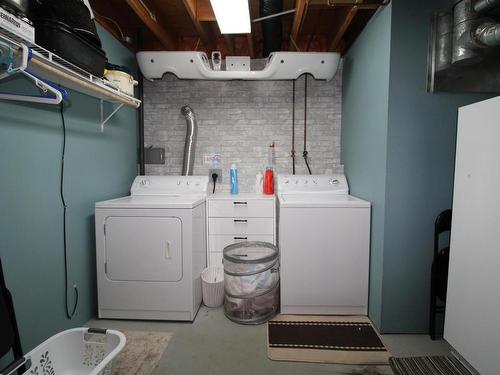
(238, 119)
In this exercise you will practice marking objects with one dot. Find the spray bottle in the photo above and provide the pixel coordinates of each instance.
(269, 174)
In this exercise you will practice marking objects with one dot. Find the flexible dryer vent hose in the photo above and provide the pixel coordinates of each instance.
(189, 146)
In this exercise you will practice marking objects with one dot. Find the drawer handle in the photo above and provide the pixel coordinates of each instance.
(240, 203)
(240, 238)
(240, 221)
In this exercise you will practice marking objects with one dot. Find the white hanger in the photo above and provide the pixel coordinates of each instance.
(45, 87)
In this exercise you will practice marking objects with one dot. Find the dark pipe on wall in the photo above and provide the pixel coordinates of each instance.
(272, 29)
(140, 112)
(140, 89)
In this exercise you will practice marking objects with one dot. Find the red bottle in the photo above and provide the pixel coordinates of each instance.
(269, 182)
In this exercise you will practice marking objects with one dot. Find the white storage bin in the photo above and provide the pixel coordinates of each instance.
(77, 351)
(212, 279)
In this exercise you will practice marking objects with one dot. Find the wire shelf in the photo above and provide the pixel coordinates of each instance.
(56, 69)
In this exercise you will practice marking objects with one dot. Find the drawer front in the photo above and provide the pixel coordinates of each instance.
(257, 225)
(241, 208)
(217, 243)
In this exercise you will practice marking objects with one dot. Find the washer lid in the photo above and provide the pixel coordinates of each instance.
(153, 201)
(320, 200)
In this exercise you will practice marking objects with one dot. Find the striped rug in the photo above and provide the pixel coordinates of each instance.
(435, 365)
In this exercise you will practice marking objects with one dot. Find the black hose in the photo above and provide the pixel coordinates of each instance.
(69, 314)
(140, 114)
(272, 29)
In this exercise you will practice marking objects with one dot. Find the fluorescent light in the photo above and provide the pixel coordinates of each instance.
(233, 16)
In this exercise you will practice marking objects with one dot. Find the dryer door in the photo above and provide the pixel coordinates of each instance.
(143, 248)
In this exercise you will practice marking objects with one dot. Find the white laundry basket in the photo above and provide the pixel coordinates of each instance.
(212, 279)
(77, 351)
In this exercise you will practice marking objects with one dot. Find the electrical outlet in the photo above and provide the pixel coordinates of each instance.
(218, 171)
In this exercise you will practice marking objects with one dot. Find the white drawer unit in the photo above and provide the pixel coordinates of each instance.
(217, 242)
(232, 219)
(242, 207)
(241, 225)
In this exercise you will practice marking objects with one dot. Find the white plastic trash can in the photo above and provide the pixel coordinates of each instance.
(212, 279)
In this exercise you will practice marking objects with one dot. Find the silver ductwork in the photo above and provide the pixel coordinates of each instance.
(444, 33)
(189, 145)
(473, 32)
(463, 52)
(487, 34)
(465, 20)
(485, 5)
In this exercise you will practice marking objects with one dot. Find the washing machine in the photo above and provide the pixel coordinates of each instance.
(324, 241)
(151, 249)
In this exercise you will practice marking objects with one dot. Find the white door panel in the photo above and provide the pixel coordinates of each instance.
(473, 299)
(324, 256)
(143, 248)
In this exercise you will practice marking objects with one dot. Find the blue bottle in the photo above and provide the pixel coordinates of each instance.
(234, 179)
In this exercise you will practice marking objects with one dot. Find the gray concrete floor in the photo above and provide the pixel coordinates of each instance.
(213, 345)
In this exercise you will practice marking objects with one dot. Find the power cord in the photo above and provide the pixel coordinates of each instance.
(215, 176)
(69, 314)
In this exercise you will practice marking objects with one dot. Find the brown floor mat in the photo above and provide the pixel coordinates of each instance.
(330, 339)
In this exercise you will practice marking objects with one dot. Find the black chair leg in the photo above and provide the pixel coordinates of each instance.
(17, 349)
(432, 308)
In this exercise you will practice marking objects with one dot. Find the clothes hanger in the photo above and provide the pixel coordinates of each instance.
(51, 92)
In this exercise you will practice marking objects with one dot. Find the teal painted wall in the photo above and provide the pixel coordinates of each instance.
(365, 95)
(420, 167)
(399, 149)
(98, 166)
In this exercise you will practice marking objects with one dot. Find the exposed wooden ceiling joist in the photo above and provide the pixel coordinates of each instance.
(298, 19)
(204, 11)
(318, 25)
(154, 26)
(337, 37)
(203, 31)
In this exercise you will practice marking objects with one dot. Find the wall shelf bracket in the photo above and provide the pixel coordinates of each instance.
(105, 119)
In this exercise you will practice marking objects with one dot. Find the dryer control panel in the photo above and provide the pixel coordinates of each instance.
(169, 185)
(335, 183)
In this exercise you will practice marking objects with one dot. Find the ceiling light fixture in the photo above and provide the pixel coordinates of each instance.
(233, 16)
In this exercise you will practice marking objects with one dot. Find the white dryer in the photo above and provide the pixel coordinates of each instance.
(324, 241)
(151, 249)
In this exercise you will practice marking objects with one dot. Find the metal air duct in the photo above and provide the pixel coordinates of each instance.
(487, 34)
(189, 145)
(465, 20)
(485, 5)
